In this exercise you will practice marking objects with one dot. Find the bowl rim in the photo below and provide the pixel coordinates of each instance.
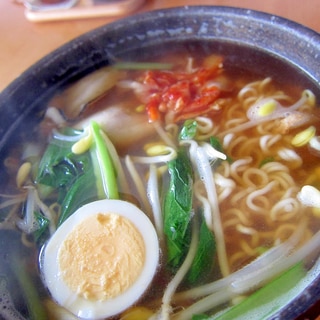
(41, 79)
(94, 48)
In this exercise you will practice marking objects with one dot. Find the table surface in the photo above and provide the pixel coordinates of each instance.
(24, 42)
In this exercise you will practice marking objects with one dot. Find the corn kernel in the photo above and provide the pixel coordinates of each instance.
(141, 108)
(311, 99)
(82, 145)
(158, 149)
(303, 137)
(316, 212)
(137, 313)
(267, 108)
(23, 173)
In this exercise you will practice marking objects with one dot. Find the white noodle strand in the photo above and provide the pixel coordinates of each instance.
(154, 199)
(139, 185)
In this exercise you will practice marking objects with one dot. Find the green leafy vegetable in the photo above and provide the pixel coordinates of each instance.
(59, 167)
(215, 143)
(43, 224)
(70, 175)
(81, 192)
(177, 208)
(203, 261)
(78, 178)
(188, 130)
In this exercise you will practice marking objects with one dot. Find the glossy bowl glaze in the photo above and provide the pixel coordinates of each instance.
(250, 39)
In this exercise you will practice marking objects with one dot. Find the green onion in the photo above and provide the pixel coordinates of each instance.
(35, 307)
(189, 130)
(142, 66)
(105, 163)
(269, 299)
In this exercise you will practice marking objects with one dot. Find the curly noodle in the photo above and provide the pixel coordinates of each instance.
(262, 209)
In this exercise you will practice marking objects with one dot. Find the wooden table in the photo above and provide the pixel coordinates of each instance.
(23, 42)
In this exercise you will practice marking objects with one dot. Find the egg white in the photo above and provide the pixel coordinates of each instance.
(88, 309)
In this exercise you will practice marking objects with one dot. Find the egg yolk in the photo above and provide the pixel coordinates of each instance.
(102, 256)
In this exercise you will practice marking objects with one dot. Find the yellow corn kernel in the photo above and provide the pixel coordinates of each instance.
(23, 173)
(162, 169)
(83, 144)
(311, 98)
(137, 313)
(316, 212)
(303, 137)
(157, 149)
(267, 108)
(141, 108)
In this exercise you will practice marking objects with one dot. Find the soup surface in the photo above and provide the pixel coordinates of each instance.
(222, 162)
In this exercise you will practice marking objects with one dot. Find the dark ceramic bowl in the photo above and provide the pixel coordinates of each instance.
(250, 40)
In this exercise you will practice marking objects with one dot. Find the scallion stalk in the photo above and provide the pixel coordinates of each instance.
(35, 307)
(107, 169)
(142, 66)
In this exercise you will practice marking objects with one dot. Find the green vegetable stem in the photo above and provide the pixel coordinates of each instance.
(106, 166)
(269, 299)
(34, 304)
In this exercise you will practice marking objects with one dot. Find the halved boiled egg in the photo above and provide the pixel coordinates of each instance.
(101, 260)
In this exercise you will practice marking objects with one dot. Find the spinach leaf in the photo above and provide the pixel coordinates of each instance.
(59, 167)
(81, 192)
(203, 261)
(177, 208)
(43, 224)
(78, 178)
(70, 175)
